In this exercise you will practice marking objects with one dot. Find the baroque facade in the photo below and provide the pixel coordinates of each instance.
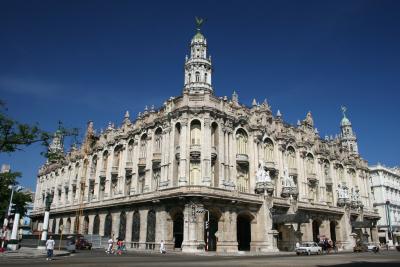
(385, 184)
(209, 173)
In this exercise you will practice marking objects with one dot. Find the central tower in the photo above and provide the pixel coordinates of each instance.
(198, 67)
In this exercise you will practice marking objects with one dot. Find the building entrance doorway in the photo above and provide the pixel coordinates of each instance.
(315, 230)
(243, 232)
(178, 230)
(332, 225)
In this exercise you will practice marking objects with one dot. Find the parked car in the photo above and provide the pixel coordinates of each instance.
(372, 247)
(82, 243)
(71, 247)
(308, 248)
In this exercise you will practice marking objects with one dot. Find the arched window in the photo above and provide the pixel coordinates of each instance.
(195, 132)
(195, 173)
(105, 159)
(241, 141)
(291, 157)
(130, 151)
(340, 173)
(117, 156)
(93, 166)
(242, 178)
(310, 163)
(353, 177)
(268, 150)
(158, 141)
(326, 168)
(205, 77)
(197, 76)
(143, 146)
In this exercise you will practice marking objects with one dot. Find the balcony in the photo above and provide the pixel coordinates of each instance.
(129, 166)
(328, 180)
(293, 171)
(270, 165)
(114, 170)
(142, 162)
(102, 174)
(157, 157)
(195, 152)
(242, 159)
(214, 153)
(312, 178)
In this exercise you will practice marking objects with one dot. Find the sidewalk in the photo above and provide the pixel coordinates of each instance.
(26, 252)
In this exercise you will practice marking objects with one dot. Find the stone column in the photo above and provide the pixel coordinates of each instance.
(184, 145)
(115, 224)
(107, 192)
(149, 163)
(143, 227)
(206, 152)
(13, 243)
(345, 229)
(44, 230)
(121, 169)
(221, 156)
(135, 169)
(91, 223)
(102, 217)
(193, 237)
(227, 236)
(57, 222)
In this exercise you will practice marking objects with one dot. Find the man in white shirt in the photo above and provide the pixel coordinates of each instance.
(110, 245)
(50, 247)
(162, 247)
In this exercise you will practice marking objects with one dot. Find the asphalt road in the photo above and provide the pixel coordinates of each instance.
(99, 259)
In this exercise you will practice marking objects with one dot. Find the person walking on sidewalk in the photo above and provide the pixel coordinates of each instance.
(162, 247)
(50, 247)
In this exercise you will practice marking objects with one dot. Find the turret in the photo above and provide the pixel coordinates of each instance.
(348, 138)
(198, 66)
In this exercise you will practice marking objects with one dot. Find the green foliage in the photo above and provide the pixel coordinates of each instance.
(14, 135)
(20, 199)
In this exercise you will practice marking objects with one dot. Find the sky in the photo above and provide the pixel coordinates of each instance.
(75, 61)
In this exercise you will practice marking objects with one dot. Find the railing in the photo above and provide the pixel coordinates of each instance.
(242, 158)
(114, 170)
(102, 173)
(129, 165)
(156, 156)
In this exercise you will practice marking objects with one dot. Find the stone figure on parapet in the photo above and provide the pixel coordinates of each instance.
(342, 192)
(355, 196)
(262, 176)
(288, 179)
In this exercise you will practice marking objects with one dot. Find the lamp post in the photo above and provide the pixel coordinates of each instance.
(10, 205)
(388, 221)
(42, 243)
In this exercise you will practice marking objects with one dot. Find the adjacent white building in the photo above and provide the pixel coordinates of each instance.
(385, 185)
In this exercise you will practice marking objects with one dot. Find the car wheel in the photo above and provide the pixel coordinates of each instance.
(298, 253)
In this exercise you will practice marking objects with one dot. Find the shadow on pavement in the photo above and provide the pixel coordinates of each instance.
(366, 264)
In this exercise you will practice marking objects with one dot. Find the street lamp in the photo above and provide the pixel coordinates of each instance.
(49, 200)
(388, 222)
(9, 211)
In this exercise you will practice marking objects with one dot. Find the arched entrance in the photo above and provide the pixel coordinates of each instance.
(315, 230)
(122, 226)
(332, 226)
(135, 227)
(244, 231)
(108, 226)
(96, 225)
(178, 229)
(151, 226)
(215, 214)
(85, 229)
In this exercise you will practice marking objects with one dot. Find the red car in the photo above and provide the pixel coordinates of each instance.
(82, 243)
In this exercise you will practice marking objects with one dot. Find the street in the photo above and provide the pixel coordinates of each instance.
(99, 258)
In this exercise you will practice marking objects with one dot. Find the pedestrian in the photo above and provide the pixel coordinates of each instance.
(162, 247)
(120, 245)
(50, 247)
(110, 245)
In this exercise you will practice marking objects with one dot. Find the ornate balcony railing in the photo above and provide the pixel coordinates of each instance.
(114, 170)
(214, 153)
(242, 158)
(156, 156)
(129, 166)
(195, 152)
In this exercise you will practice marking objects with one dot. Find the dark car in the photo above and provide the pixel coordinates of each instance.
(82, 243)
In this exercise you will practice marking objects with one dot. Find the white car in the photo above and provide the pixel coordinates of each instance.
(308, 248)
(372, 247)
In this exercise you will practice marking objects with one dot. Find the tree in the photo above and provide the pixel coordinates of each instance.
(14, 136)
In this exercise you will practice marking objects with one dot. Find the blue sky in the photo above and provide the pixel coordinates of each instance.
(76, 61)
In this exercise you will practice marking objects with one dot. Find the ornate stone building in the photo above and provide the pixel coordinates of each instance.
(200, 160)
(385, 184)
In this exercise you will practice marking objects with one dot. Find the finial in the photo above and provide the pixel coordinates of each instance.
(146, 108)
(199, 22)
(298, 123)
(344, 109)
(126, 114)
(152, 108)
(254, 103)
(278, 113)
